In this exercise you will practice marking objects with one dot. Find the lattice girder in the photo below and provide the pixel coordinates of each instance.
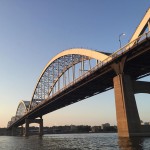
(22, 108)
(56, 68)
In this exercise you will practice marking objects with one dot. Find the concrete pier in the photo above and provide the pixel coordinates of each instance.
(28, 121)
(128, 120)
(14, 131)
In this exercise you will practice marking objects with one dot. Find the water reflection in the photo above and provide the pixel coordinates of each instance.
(134, 143)
(94, 141)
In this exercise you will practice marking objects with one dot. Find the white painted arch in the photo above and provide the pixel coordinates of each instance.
(25, 104)
(75, 51)
(79, 51)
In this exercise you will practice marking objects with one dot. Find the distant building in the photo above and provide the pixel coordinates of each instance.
(146, 123)
(96, 128)
(73, 128)
(105, 125)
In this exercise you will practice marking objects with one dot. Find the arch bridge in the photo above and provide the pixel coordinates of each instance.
(77, 74)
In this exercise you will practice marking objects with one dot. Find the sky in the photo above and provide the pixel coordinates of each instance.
(32, 32)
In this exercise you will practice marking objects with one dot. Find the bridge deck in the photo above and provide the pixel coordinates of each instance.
(137, 65)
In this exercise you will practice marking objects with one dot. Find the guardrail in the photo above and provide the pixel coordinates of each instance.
(107, 60)
(113, 56)
(100, 64)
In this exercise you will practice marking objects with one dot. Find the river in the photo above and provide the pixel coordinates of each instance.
(94, 141)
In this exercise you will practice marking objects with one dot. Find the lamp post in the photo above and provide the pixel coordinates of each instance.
(122, 34)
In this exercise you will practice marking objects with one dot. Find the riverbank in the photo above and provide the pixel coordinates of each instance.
(67, 129)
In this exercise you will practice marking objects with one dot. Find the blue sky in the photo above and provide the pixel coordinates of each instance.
(34, 31)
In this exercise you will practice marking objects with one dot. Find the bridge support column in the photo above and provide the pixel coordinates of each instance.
(41, 127)
(28, 121)
(14, 131)
(21, 130)
(128, 120)
(26, 127)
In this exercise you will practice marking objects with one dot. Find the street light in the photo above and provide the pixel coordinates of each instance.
(122, 34)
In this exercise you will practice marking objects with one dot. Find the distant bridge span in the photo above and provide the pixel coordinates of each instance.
(76, 74)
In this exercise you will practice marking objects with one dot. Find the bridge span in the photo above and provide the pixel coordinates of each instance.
(76, 74)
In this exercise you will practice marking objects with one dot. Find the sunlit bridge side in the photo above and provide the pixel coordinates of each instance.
(62, 70)
(76, 74)
(21, 111)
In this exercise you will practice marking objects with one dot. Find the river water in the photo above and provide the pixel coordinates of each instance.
(99, 141)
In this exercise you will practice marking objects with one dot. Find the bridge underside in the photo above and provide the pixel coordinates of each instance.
(136, 66)
(128, 120)
(120, 71)
(137, 63)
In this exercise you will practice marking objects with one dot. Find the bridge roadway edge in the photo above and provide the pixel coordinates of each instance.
(133, 53)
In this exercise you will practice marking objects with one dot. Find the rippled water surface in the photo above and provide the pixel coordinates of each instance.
(100, 141)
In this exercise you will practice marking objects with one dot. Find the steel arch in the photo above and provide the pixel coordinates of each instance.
(22, 108)
(56, 67)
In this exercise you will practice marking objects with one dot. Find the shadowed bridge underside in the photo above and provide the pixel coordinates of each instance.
(77, 74)
(96, 81)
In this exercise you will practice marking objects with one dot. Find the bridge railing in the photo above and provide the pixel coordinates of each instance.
(107, 60)
(13, 120)
(116, 54)
(130, 45)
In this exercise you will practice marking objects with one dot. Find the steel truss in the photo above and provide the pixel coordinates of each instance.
(59, 73)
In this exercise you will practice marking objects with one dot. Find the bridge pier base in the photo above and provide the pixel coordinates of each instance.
(128, 120)
(28, 121)
(26, 127)
(14, 131)
(21, 130)
(41, 127)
